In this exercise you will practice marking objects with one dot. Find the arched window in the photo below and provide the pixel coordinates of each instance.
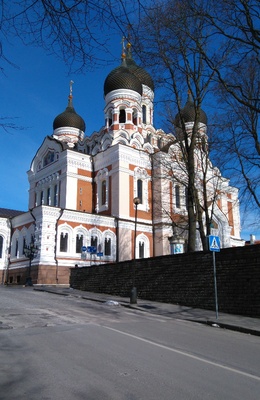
(93, 241)
(144, 114)
(177, 196)
(63, 242)
(107, 247)
(141, 249)
(1, 246)
(140, 190)
(103, 192)
(135, 116)
(16, 247)
(79, 243)
(49, 196)
(110, 118)
(122, 116)
(55, 196)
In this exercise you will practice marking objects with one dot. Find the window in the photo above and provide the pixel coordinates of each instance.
(24, 244)
(135, 116)
(93, 241)
(1, 246)
(79, 243)
(122, 116)
(107, 247)
(64, 242)
(141, 249)
(49, 196)
(55, 196)
(140, 190)
(144, 114)
(110, 118)
(42, 197)
(177, 196)
(16, 247)
(103, 192)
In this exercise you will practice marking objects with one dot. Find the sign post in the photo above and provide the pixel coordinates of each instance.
(214, 245)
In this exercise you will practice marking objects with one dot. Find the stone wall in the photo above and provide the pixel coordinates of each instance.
(186, 279)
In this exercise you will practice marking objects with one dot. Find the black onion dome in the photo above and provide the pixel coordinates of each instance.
(122, 78)
(188, 113)
(69, 118)
(140, 72)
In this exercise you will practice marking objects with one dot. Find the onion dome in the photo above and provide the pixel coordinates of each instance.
(122, 78)
(140, 72)
(188, 113)
(69, 118)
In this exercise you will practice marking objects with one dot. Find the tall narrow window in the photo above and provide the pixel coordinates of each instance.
(24, 244)
(135, 117)
(64, 242)
(1, 246)
(42, 197)
(141, 249)
(107, 247)
(122, 116)
(140, 190)
(144, 114)
(93, 241)
(103, 192)
(49, 196)
(16, 247)
(110, 118)
(79, 243)
(177, 196)
(55, 196)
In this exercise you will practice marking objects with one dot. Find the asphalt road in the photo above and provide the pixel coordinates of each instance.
(65, 348)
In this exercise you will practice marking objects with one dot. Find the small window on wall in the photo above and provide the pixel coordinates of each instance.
(144, 114)
(140, 190)
(141, 249)
(1, 246)
(55, 196)
(122, 116)
(110, 118)
(49, 196)
(16, 247)
(103, 192)
(135, 117)
(177, 196)
(79, 243)
(24, 244)
(63, 242)
(93, 241)
(107, 247)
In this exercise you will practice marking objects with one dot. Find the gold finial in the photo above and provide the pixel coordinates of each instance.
(123, 46)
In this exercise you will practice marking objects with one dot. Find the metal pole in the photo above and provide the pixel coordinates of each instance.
(215, 284)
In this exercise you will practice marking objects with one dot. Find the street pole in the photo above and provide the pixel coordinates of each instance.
(215, 284)
(133, 295)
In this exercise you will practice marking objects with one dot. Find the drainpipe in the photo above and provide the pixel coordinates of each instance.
(55, 246)
(152, 201)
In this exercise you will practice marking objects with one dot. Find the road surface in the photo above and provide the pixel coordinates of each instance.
(65, 348)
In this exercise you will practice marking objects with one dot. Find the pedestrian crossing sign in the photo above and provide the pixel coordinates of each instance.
(214, 243)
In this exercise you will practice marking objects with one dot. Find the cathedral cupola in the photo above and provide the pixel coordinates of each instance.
(122, 78)
(188, 114)
(69, 126)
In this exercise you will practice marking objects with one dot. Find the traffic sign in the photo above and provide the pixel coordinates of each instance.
(83, 248)
(99, 254)
(91, 249)
(214, 243)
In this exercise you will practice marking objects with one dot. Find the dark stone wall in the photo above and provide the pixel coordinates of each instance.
(185, 279)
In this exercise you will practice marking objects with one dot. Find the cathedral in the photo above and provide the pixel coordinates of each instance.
(111, 196)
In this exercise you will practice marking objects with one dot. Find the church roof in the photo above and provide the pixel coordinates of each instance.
(69, 117)
(9, 213)
(188, 113)
(128, 75)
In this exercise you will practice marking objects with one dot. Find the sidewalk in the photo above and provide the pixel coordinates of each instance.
(227, 321)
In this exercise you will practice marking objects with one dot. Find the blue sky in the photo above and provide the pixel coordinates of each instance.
(33, 94)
